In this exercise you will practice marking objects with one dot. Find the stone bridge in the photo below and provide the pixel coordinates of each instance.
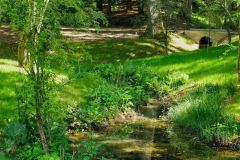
(217, 36)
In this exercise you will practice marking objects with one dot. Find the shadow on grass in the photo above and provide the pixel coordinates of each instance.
(8, 51)
(8, 101)
(115, 50)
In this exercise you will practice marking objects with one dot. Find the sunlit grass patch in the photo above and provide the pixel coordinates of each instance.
(201, 65)
(234, 107)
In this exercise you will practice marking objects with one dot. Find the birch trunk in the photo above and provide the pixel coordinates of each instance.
(153, 17)
(239, 53)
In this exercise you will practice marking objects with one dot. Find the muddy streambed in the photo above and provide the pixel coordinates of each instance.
(150, 137)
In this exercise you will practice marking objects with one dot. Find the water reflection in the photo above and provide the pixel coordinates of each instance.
(152, 138)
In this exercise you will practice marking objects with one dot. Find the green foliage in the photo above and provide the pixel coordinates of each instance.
(15, 135)
(204, 113)
(50, 157)
(89, 149)
(138, 21)
(103, 103)
(82, 13)
(30, 152)
(2, 156)
(73, 13)
(122, 87)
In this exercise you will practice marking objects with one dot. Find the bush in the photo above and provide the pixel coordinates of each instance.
(204, 114)
(125, 86)
(153, 83)
(103, 103)
(49, 157)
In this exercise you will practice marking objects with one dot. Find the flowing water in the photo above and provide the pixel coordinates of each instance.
(152, 138)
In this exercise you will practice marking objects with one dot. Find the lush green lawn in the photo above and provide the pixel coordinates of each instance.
(206, 65)
(203, 66)
(116, 50)
(9, 77)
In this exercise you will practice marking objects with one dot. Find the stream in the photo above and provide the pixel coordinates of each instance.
(150, 137)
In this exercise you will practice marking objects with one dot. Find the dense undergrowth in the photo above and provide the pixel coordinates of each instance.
(122, 87)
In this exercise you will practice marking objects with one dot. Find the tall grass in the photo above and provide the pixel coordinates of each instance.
(204, 114)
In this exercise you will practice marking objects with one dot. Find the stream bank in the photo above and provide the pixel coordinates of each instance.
(149, 136)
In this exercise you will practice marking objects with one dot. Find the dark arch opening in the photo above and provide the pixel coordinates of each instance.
(205, 42)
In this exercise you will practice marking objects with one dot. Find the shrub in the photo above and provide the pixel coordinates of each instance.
(122, 87)
(103, 103)
(49, 157)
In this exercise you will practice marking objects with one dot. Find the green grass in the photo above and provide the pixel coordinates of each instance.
(203, 113)
(116, 50)
(9, 77)
(2, 156)
(203, 66)
(209, 66)
(8, 101)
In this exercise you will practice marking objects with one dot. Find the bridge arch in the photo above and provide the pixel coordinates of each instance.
(216, 35)
(205, 42)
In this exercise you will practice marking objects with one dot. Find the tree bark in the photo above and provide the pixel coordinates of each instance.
(227, 27)
(153, 17)
(109, 6)
(229, 35)
(140, 7)
(38, 104)
(21, 53)
(129, 5)
(100, 5)
(239, 53)
(189, 6)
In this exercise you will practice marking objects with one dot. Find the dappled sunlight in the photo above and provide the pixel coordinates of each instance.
(180, 43)
(9, 68)
(145, 44)
(61, 78)
(114, 50)
(8, 65)
(9, 62)
(73, 94)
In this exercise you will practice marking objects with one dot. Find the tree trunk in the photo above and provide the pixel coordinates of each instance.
(239, 54)
(39, 104)
(189, 6)
(100, 5)
(229, 35)
(21, 53)
(129, 5)
(109, 6)
(153, 17)
(40, 124)
(41, 132)
(166, 40)
(140, 7)
(227, 25)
